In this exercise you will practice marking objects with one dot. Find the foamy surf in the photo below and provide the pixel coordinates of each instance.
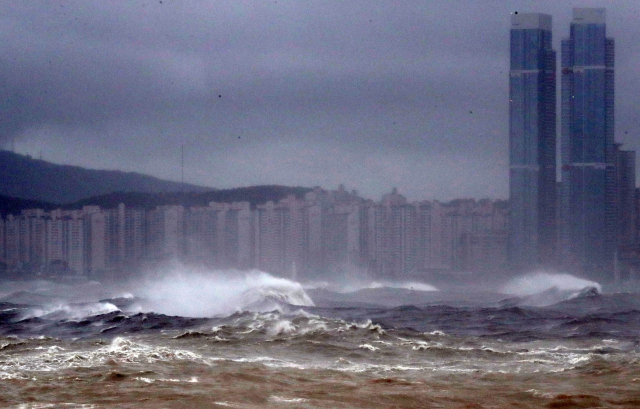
(261, 337)
(205, 294)
(541, 281)
(543, 289)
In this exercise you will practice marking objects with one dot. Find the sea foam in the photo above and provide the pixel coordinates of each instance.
(205, 294)
(542, 281)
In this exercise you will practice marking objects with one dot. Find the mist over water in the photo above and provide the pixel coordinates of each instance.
(540, 281)
(191, 292)
(356, 281)
(407, 285)
(263, 341)
(199, 293)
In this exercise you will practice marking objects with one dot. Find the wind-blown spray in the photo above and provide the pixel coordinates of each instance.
(203, 294)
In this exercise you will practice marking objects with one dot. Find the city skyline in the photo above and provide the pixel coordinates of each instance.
(372, 96)
(325, 235)
(579, 223)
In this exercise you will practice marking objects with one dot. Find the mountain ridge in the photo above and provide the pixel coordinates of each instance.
(24, 177)
(255, 195)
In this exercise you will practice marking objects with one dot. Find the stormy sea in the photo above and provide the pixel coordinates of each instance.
(251, 340)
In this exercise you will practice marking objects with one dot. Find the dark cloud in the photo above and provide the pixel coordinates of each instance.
(371, 94)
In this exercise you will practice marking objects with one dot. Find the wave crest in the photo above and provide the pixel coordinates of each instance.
(205, 294)
(542, 288)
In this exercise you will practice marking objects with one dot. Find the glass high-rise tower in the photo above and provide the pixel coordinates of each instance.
(588, 234)
(532, 142)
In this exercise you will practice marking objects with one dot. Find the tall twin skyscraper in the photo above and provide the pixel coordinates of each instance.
(574, 226)
(532, 151)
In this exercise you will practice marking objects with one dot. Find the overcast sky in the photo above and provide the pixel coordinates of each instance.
(372, 94)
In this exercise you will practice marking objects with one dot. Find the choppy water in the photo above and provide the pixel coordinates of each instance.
(374, 348)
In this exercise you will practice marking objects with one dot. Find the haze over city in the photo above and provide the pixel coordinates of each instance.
(412, 95)
(370, 217)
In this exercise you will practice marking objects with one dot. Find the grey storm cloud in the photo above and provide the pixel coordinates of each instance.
(412, 94)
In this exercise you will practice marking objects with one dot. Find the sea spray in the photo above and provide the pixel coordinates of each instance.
(193, 293)
(344, 287)
(407, 285)
(542, 281)
(70, 311)
(542, 289)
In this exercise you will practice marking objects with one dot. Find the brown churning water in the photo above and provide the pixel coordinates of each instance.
(579, 352)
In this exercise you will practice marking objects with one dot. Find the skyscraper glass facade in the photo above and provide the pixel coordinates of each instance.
(532, 142)
(588, 238)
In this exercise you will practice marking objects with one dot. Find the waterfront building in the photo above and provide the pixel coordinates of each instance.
(12, 241)
(483, 242)
(313, 222)
(280, 236)
(270, 237)
(73, 229)
(202, 236)
(133, 235)
(239, 236)
(532, 142)
(626, 214)
(588, 197)
(625, 199)
(165, 238)
(341, 237)
(96, 249)
(55, 243)
(325, 236)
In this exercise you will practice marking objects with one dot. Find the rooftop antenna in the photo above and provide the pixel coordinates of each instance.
(182, 175)
(182, 166)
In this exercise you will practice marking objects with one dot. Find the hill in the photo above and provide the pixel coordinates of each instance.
(28, 178)
(14, 205)
(254, 194)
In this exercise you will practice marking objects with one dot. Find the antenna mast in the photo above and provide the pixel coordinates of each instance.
(182, 166)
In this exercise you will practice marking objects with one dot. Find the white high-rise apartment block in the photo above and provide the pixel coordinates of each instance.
(97, 248)
(333, 233)
(12, 241)
(55, 241)
(201, 236)
(166, 232)
(270, 237)
(74, 244)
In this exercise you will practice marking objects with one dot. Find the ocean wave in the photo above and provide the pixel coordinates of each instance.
(207, 294)
(120, 350)
(541, 289)
(70, 311)
(360, 283)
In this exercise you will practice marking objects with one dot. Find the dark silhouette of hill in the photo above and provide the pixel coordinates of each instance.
(14, 205)
(254, 194)
(28, 178)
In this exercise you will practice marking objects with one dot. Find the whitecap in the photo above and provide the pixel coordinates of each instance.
(280, 399)
(541, 281)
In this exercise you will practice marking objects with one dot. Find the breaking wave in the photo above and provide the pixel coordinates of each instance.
(70, 311)
(361, 284)
(415, 286)
(202, 294)
(541, 281)
(543, 289)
